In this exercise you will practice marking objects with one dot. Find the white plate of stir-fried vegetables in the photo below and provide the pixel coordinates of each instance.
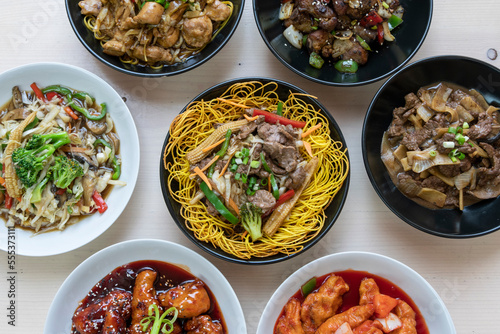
(69, 155)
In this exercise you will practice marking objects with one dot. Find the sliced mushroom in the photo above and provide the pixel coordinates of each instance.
(88, 184)
(115, 141)
(82, 158)
(17, 97)
(19, 113)
(97, 127)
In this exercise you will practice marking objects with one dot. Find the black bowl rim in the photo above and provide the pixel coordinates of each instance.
(160, 74)
(365, 156)
(257, 261)
(346, 84)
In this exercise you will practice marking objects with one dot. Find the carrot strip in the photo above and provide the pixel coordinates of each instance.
(223, 171)
(214, 145)
(2, 181)
(70, 112)
(244, 235)
(311, 130)
(307, 146)
(232, 103)
(234, 206)
(251, 119)
(206, 166)
(269, 183)
(198, 171)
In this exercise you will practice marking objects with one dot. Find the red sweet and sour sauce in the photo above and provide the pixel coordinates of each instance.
(353, 278)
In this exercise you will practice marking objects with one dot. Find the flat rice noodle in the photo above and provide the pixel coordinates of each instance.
(388, 158)
(405, 164)
(479, 150)
(470, 104)
(426, 97)
(415, 121)
(422, 160)
(433, 196)
(491, 109)
(463, 114)
(448, 180)
(486, 192)
(440, 97)
(425, 113)
(400, 152)
(479, 98)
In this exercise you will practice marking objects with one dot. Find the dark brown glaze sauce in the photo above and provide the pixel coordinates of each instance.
(353, 278)
(169, 276)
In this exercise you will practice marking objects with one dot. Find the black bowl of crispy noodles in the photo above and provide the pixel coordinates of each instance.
(382, 62)
(220, 38)
(475, 220)
(330, 190)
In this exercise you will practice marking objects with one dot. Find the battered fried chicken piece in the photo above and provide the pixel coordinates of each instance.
(144, 295)
(197, 31)
(367, 290)
(368, 327)
(407, 316)
(290, 322)
(203, 325)
(354, 316)
(191, 299)
(321, 305)
(108, 315)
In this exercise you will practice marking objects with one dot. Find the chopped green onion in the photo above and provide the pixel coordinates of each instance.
(264, 163)
(158, 321)
(386, 6)
(460, 130)
(452, 130)
(314, 27)
(237, 176)
(279, 111)
(346, 66)
(245, 151)
(304, 39)
(460, 138)
(263, 182)
(448, 144)
(255, 164)
(363, 43)
(465, 125)
(70, 209)
(308, 287)
(315, 60)
(238, 155)
(274, 187)
(233, 168)
(432, 153)
(245, 161)
(461, 156)
(244, 178)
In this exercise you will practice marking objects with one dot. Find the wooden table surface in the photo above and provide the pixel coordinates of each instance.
(466, 273)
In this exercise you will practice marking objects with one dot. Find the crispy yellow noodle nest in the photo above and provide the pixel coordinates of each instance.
(192, 127)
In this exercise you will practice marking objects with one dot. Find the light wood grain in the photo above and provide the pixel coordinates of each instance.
(466, 273)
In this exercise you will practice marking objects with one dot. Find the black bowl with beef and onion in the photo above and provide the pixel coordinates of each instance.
(431, 146)
(154, 38)
(343, 43)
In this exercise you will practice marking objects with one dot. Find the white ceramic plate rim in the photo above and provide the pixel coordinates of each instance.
(420, 291)
(93, 269)
(88, 229)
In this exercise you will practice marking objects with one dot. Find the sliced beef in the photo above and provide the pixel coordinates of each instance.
(482, 128)
(449, 170)
(296, 178)
(434, 182)
(411, 101)
(211, 208)
(275, 133)
(285, 156)
(413, 140)
(440, 141)
(250, 127)
(263, 199)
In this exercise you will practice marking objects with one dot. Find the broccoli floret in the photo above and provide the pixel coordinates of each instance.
(251, 220)
(65, 170)
(36, 195)
(29, 160)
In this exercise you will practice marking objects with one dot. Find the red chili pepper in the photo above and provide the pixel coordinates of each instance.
(8, 201)
(285, 197)
(273, 119)
(38, 92)
(51, 95)
(371, 19)
(99, 201)
(60, 191)
(380, 34)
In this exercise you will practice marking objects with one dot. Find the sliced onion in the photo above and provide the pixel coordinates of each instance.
(293, 36)
(464, 179)
(464, 115)
(343, 35)
(286, 10)
(425, 113)
(390, 323)
(387, 32)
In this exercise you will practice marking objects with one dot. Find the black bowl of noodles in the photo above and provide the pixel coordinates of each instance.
(474, 220)
(383, 60)
(223, 239)
(222, 32)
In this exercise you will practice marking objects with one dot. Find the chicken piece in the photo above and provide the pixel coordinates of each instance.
(290, 322)
(321, 305)
(356, 53)
(368, 327)
(114, 309)
(301, 21)
(169, 38)
(354, 316)
(153, 54)
(176, 10)
(197, 31)
(114, 48)
(407, 316)
(217, 11)
(90, 7)
(203, 325)
(150, 13)
(317, 40)
(367, 290)
(144, 295)
(191, 299)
